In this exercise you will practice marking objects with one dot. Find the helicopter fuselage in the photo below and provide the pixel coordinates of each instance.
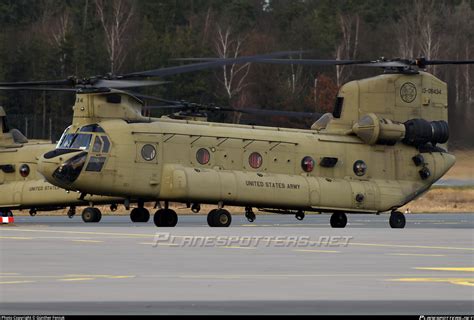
(194, 162)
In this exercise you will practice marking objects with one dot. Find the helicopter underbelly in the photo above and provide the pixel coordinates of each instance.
(189, 184)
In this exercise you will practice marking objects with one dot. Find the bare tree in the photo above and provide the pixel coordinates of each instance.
(115, 24)
(347, 48)
(405, 37)
(55, 23)
(233, 76)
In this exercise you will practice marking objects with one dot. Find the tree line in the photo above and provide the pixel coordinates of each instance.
(54, 39)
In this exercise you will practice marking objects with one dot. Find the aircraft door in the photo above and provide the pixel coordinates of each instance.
(148, 163)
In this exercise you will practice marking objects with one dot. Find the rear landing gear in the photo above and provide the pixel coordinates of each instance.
(140, 215)
(397, 220)
(165, 218)
(71, 212)
(91, 215)
(249, 214)
(300, 215)
(219, 218)
(338, 220)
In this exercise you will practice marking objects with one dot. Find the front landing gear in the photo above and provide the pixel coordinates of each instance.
(338, 220)
(397, 220)
(91, 215)
(219, 218)
(165, 218)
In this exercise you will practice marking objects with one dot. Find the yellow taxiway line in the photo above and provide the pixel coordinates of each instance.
(457, 281)
(16, 282)
(465, 269)
(316, 251)
(416, 254)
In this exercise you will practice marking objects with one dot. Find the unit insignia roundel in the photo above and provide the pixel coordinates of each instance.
(408, 92)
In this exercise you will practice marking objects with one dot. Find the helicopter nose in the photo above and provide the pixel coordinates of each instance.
(62, 168)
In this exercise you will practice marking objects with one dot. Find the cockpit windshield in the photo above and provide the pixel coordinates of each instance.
(79, 141)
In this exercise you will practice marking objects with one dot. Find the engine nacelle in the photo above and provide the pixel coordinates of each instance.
(374, 130)
(416, 132)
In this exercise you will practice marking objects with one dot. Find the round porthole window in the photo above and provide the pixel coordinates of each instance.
(24, 170)
(148, 152)
(360, 168)
(203, 156)
(308, 164)
(255, 160)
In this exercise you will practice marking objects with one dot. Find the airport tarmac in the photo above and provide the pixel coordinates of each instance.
(278, 265)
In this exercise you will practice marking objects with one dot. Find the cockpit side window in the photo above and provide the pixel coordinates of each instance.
(97, 145)
(106, 144)
(82, 141)
(75, 141)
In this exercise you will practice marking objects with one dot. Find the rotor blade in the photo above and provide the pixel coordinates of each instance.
(65, 82)
(359, 63)
(205, 65)
(37, 89)
(442, 62)
(118, 84)
(290, 61)
(166, 107)
(146, 97)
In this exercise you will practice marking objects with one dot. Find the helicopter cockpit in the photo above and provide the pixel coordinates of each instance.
(90, 146)
(82, 138)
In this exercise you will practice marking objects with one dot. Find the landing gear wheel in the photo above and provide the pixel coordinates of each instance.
(210, 217)
(300, 215)
(165, 218)
(91, 215)
(397, 220)
(71, 212)
(338, 220)
(140, 215)
(250, 215)
(196, 207)
(219, 218)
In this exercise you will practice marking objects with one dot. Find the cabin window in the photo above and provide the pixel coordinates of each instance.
(360, 168)
(308, 164)
(148, 152)
(203, 156)
(255, 160)
(24, 170)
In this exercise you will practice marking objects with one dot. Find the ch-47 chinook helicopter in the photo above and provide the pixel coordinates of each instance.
(382, 147)
(22, 187)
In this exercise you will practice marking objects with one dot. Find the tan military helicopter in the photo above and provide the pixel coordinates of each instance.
(22, 187)
(382, 147)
